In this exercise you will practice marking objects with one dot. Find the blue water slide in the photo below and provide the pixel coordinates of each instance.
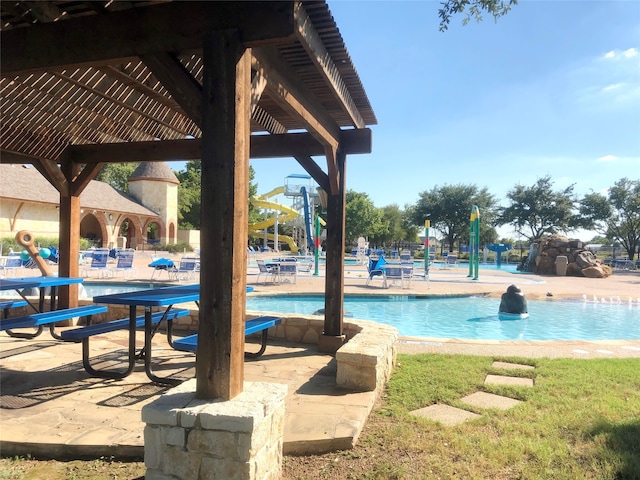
(308, 218)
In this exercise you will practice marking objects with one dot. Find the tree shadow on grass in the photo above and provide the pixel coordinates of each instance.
(624, 440)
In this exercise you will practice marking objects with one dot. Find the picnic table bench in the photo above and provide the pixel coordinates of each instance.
(48, 318)
(83, 334)
(7, 305)
(258, 324)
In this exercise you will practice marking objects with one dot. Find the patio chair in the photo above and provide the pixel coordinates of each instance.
(306, 266)
(288, 270)
(267, 271)
(124, 263)
(452, 260)
(12, 264)
(187, 269)
(393, 273)
(376, 268)
(99, 259)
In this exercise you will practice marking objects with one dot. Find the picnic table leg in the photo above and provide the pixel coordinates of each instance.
(263, 346)
(132, 351)
(148, 337)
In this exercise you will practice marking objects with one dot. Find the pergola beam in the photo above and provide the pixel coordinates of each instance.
(139, 31)
(185, 89)
(353, 142)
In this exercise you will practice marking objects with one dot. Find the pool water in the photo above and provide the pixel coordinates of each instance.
(477, 317)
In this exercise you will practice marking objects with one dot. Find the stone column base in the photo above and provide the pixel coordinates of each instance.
(186, 438)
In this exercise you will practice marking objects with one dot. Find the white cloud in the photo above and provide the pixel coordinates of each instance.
(613, 86)
(618, 54)
(608, 158)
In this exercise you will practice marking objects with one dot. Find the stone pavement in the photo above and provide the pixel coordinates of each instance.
(52, 408)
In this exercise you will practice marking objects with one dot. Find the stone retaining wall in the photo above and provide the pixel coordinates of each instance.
(364, 363)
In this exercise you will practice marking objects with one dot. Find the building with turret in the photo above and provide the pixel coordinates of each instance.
(109, 218)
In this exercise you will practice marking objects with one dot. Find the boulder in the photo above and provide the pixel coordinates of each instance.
(593, 272)
(582, 262)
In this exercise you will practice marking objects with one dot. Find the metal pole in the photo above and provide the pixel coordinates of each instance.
(427, 225)
(316, 241)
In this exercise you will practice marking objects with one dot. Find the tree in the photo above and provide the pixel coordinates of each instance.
(538, 210)
(617, 216)
(117, 175)
(362, 218)
(497, 8)
(449, 209)
(189, 203)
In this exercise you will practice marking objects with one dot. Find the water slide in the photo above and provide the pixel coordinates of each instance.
(308, 218)
(285, 214)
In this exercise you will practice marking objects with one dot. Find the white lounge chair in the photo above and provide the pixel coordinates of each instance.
(124, 263)
(187, 269)
(99, 259)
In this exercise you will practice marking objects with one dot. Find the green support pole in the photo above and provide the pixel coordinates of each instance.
(474, 243)
(427, 225)
(316, 242)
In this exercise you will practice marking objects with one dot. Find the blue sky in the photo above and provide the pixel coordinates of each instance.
(552, 88)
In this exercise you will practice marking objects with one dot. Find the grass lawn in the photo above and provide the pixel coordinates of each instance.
(581, 420)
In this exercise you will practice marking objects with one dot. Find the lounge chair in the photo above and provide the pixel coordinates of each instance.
(392, 275)
(452, 260)
(124, 263)
(187, 269)
(267, 271)
(12, 264)
(99, 259)
(376, 268)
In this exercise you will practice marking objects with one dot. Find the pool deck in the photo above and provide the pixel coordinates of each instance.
(57, 410)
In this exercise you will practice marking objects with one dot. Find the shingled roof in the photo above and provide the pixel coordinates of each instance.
(154, 171)
(24, 183)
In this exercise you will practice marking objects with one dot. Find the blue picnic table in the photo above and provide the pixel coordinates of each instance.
(22, 285)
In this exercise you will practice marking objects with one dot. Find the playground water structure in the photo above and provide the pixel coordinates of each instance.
(477, 318)
(300, 214)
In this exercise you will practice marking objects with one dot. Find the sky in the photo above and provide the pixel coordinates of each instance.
(552, 88)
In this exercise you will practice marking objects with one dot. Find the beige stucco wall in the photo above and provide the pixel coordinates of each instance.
(192, 237)
(39, 219)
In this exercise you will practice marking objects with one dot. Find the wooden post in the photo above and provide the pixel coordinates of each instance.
(333, 338)
(69, 237)
(224, 219)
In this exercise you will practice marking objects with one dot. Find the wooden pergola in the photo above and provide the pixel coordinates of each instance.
(84, 83)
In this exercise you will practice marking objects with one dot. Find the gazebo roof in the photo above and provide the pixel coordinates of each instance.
(82, 81)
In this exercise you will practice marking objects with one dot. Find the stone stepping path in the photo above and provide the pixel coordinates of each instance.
(451, 416)
(490, 400)
(445, 414)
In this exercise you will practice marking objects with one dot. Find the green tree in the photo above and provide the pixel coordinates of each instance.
(189, 202)
(362, 218)
(449, 207)
(616, 216)
(539, 210)
(496, 8)
(117, 175)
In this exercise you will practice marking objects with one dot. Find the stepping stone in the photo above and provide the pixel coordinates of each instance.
(489, 400)
(504, 380)
(445, 414)
(512, 366)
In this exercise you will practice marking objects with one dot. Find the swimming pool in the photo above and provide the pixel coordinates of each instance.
(477, 317)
